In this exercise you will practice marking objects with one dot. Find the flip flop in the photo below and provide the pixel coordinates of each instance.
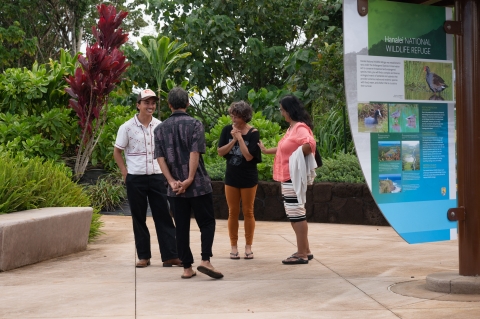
(248, 256)
(188, 277)
(294, 255)
(210, 272)
(295, 261)
(234, 256)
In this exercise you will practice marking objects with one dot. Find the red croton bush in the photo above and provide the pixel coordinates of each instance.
(101, 69)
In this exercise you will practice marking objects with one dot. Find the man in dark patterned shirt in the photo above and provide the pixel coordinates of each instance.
(179, 143)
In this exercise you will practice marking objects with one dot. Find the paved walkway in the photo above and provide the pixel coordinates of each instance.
(351, 276)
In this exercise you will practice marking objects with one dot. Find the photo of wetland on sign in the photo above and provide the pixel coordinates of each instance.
(426, 80)
(410, 155)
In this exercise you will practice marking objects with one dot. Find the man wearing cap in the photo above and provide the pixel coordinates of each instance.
(145, 182)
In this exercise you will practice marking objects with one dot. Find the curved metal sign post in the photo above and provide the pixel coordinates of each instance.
(399, 80)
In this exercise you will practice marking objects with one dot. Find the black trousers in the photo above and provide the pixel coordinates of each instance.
(141, 191)
(202, 207)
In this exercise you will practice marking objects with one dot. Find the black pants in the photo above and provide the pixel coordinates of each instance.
(141, 191)
(202, 207)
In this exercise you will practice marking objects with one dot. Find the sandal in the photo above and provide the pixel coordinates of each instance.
(212, 272)
(248, 255)
(294, 261)
(294, 255)
(188, 277)
(234, 255)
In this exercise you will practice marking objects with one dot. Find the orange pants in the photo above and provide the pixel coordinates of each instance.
(233, 196)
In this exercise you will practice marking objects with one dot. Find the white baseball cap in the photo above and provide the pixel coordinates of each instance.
(146, 94)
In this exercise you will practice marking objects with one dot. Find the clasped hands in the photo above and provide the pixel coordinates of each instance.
(236, 134)
(180, 187)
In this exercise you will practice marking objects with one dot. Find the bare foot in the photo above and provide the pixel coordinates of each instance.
(234, 253)
(308, 255)
(206, 263)
(188, 272)
(248, 252)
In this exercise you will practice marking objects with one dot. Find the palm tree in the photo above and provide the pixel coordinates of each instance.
(162, 54)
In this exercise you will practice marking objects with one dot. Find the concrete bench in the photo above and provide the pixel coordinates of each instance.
(35, 235)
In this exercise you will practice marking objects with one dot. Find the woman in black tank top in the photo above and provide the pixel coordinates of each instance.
(238, 144)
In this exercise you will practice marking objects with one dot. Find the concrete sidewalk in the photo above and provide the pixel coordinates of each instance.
(353, 275)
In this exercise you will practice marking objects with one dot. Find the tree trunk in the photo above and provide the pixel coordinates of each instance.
(79, 39)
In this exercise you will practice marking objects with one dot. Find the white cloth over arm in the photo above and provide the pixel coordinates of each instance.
(302, 173)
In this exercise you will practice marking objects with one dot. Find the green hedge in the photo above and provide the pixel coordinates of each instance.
(338, 168)
(49, 135)
(36, 183)
(341, 168)
(270, 134)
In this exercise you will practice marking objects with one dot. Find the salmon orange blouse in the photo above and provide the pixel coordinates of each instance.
(295, 136)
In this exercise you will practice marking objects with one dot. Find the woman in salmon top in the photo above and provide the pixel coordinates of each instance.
(298, 134)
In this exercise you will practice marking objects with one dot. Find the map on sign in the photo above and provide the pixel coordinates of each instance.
(399, 81)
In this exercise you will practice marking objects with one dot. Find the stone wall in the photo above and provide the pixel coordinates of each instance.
(339, 203)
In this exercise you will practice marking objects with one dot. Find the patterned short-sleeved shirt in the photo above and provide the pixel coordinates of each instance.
(175, 139)
(138, 144)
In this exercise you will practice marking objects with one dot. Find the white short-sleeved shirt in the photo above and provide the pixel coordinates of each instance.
(138, 143)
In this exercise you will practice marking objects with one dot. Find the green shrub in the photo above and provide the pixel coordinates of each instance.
(267, 101)
(108, 193)
(48, 135)
(35, 183)
(343, 168)
(270, 134)
(103, 152)
(27, 92)
(216, 170)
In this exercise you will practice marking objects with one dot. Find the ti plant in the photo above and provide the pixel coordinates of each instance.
(92, 83)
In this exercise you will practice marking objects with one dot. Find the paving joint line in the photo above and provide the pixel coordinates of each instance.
(134, 260)
(378, 302)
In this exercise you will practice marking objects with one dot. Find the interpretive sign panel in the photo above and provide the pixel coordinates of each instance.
(399, 80)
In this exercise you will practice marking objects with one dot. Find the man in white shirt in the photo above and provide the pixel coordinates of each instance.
(145, 182)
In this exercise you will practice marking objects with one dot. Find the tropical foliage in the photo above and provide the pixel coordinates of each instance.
(162, 55)
(50, 134)
(342, 168)
(35, 30)
(251, 51)
(103, 152)
(36, 183)
(98, 75)
(42, 87)
(108, 193)
(270, 134)
(219, 51)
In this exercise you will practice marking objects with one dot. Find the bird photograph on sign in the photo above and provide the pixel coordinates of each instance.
(372, 117)
(428, 80)
(403, 118)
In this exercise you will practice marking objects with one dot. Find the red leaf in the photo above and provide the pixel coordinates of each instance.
(101, 69)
